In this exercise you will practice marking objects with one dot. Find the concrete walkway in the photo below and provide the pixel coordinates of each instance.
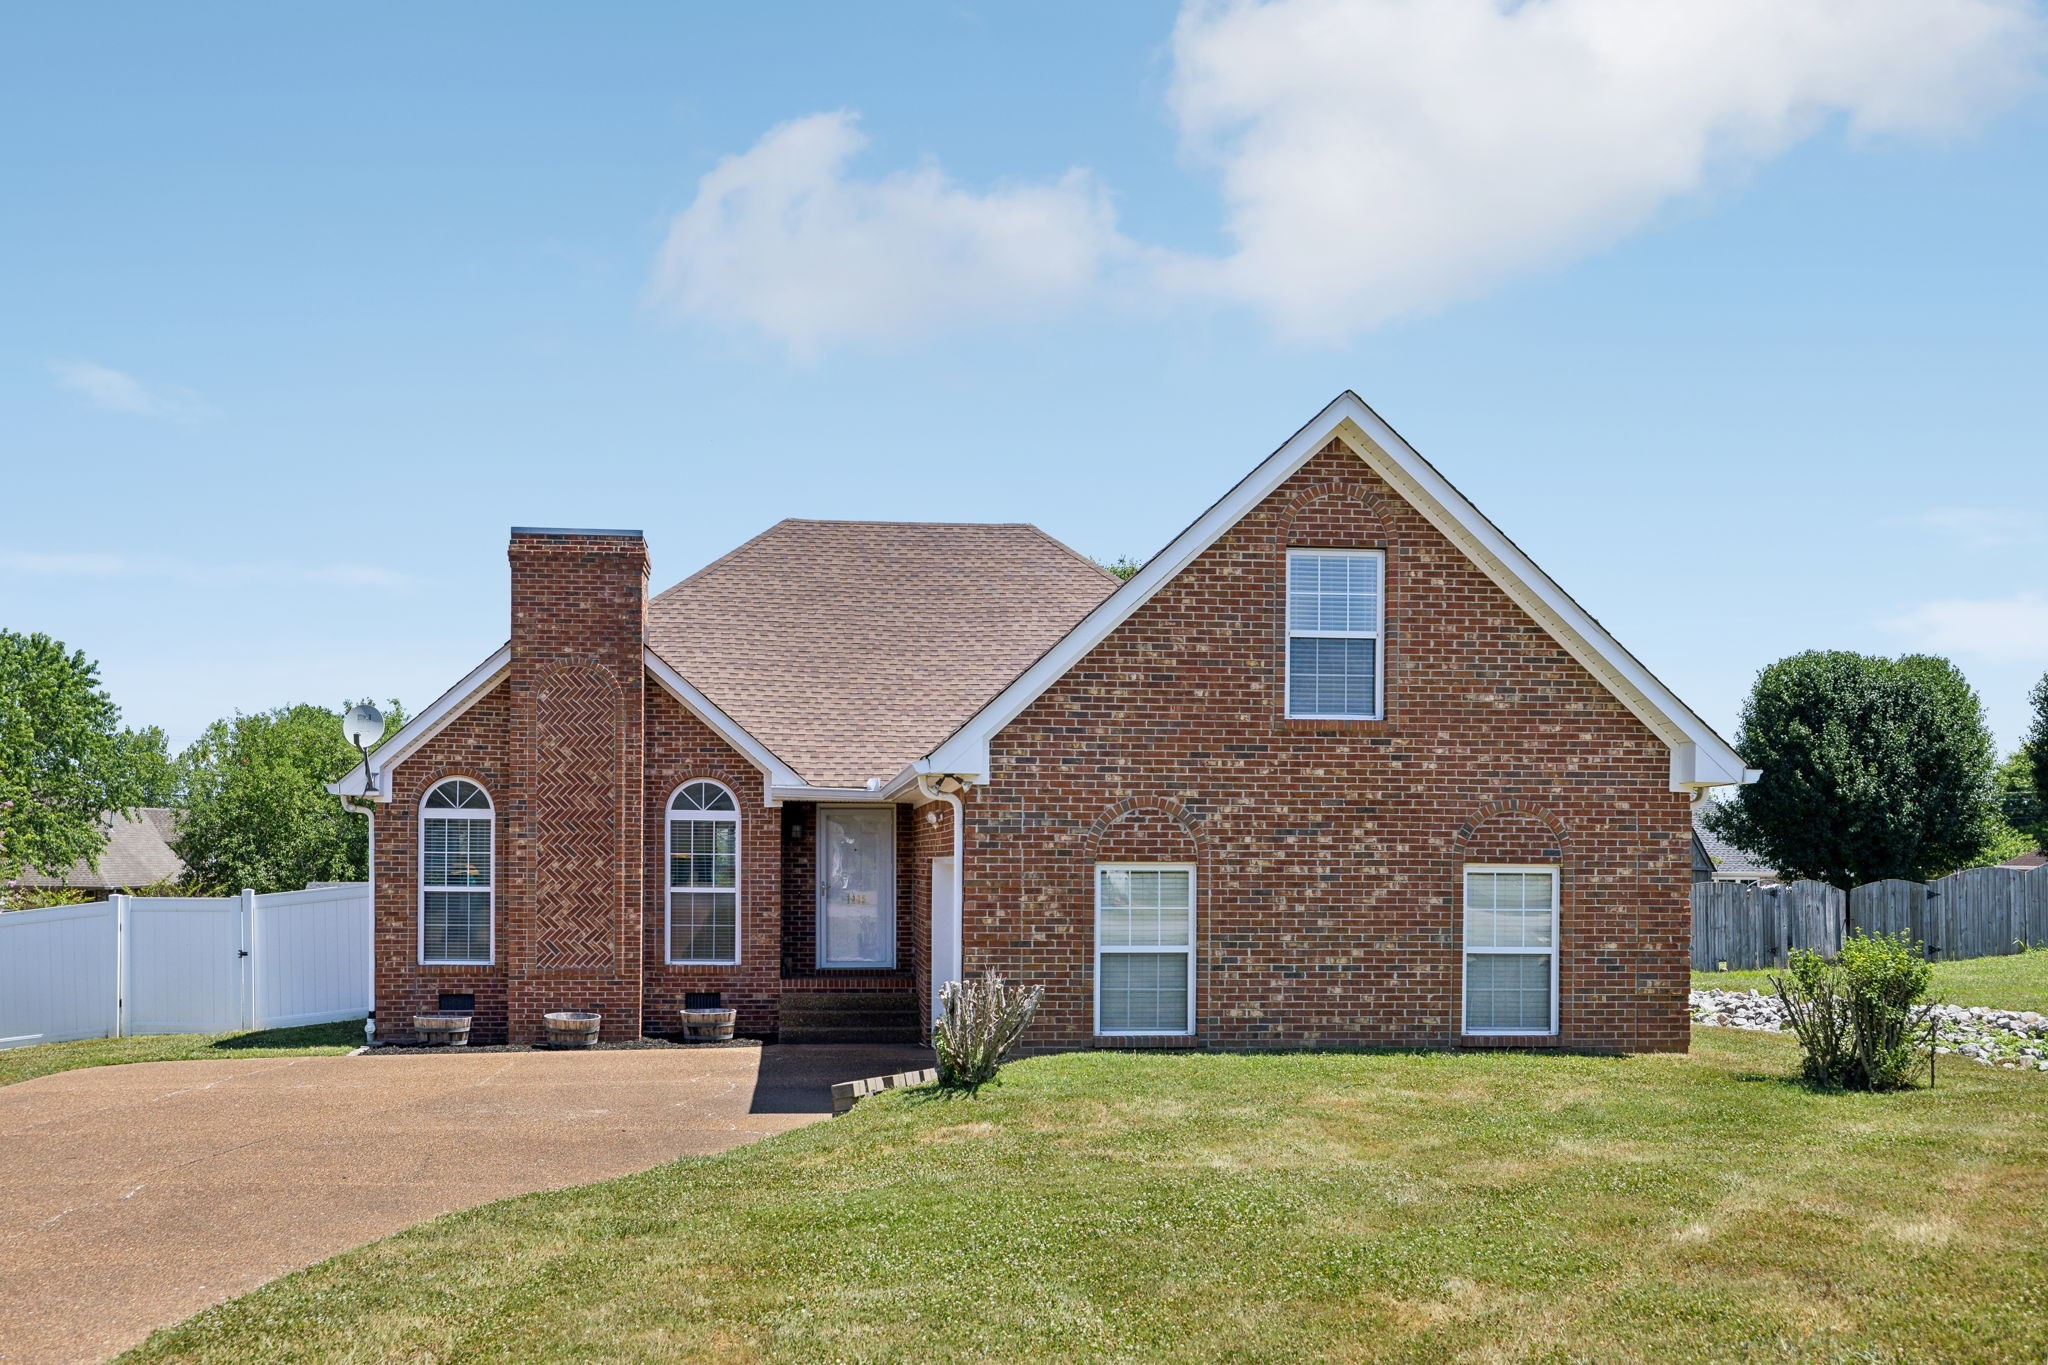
(134, 1196)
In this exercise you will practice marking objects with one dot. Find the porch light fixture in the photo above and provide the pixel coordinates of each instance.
(364, 724)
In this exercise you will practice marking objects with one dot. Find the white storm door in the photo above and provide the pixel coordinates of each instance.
(857, 886)
(945, 930)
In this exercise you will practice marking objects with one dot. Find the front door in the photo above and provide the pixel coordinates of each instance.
(857, 886)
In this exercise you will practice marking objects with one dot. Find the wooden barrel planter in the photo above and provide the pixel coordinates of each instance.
(708, 1026)
(572, 1028)
(441, 1029)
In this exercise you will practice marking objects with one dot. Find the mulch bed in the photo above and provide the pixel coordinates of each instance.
(410, 1048)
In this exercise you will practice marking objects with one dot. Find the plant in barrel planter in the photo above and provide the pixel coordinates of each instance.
(441, 1028)
(708, 1025)
(572, 1028)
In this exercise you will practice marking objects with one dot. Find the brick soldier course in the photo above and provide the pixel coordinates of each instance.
(1084, 728)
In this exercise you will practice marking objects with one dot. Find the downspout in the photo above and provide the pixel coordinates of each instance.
(349, 803)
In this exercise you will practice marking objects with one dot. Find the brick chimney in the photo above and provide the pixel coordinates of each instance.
(572, 893)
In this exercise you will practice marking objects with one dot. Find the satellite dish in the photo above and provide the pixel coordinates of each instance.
(364, 725)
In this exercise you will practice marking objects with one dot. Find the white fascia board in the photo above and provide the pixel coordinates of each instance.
(428, 723)
(1699, 756)
(778, 773)
(835, 795)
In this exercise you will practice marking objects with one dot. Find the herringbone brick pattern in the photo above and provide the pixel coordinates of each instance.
(577, 820)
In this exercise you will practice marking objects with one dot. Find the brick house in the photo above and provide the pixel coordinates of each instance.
(1338, 766)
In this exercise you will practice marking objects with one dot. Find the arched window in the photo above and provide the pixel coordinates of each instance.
(457, 843)
(703, 875)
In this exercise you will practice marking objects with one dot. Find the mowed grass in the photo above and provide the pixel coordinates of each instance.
(2015, 982)
(313, 1040)
(1423, 1206)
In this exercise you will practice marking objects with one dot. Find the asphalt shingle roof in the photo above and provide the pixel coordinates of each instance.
(138, 853)
(851, 648)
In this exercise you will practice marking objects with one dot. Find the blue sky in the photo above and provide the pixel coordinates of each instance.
(1734, 316)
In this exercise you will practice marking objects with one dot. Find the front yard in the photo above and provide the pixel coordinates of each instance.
(1384, 1206)
(313, 1040)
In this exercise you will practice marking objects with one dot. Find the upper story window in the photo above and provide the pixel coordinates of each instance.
(457, 843)
(1334, 602)
(703, 875)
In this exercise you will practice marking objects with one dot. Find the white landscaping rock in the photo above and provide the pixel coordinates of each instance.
(2013, 1039)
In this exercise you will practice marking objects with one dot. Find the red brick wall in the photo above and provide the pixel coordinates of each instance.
(572, 882)
(1328, 852)
(472, 746)
(680, 749)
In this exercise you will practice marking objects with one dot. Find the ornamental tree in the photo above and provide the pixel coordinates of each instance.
(1872, 768)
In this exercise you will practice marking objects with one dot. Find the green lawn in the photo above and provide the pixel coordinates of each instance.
(2017, 982)
(314, 1040)
(1409, 1206)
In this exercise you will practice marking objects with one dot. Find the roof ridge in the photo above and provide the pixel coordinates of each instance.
(1059, 544)
(751, 540)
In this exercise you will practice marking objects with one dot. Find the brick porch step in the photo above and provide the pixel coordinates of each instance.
(849, 1017)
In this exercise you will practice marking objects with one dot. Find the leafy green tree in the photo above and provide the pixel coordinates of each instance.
(1123, 566)
(2019, 801)
(2035, 746)
(61, 757)
(1872, 768)
(153, 773)
(257, 810)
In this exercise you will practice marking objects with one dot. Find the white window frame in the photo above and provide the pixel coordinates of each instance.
(490, 816)
(670, 817)
(1194, 892)
(1378, 635)
(1555, 951)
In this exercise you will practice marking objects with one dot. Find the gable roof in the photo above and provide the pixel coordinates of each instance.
(138, 853)
(850, 648)
(1728, 862)
(1699, 757)
(477, 684)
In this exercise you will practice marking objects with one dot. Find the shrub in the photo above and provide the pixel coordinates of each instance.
(1857, 1016)
(979, 1022)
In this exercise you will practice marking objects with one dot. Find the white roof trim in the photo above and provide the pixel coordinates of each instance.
(1699, 757)
(428, 723)
(778, 773)
(494, 670)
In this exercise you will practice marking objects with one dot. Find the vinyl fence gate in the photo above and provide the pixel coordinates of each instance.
(176, 964)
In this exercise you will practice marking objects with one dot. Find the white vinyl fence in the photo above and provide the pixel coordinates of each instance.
(166, 964)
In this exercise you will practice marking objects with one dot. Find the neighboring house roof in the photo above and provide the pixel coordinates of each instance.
(2026, 862)
(1699, 757)
(138, 853)
(851, 648)
(1731, 864)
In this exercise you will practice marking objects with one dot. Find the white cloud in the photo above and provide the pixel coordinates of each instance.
(118, 392)
(1997, 629)
(1375, 158)
(87, 565)
(783, 238)
(1983, 528)
(1382, 157)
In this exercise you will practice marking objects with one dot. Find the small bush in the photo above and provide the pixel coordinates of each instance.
(979, 1022)
(1858, 1016)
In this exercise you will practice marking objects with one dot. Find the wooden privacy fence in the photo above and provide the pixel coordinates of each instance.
(1981, 912)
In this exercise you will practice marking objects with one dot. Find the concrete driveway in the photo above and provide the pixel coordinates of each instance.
(134, 1196)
